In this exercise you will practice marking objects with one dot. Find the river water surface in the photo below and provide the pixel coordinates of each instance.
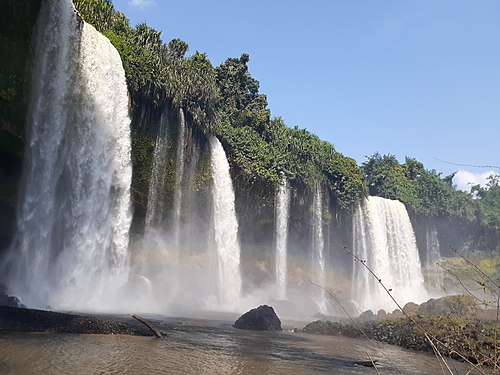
(206, 347)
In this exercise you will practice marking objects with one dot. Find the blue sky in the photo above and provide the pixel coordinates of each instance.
(418, 78)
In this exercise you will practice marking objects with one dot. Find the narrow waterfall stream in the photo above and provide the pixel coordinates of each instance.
(282, 214)
(179, 178)
(156, 201)
(434, 273)
(318, 247)
(225, 228)
(383, 237)
(73, 223)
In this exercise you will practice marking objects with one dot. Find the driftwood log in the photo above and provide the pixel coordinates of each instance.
(147, 324)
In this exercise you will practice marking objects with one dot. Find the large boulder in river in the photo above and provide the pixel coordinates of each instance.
(262, 318)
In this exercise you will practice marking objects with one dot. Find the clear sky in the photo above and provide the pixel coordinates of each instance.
(418, 78)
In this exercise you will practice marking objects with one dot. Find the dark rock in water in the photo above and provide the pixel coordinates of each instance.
(323, 328)
(262, 318)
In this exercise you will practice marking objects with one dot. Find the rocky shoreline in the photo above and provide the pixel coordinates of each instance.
(31, 320)
(451, 320)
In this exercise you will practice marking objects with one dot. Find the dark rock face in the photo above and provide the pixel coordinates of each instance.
(262, 318)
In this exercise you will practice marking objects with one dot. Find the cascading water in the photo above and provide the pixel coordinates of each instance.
(179, 177)
(282, 213)
(318, 246)
(383, 237)
(156, 201)
(71, 249)
(434, 274)
(225, 228)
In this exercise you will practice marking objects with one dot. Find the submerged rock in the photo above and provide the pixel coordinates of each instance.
(262, 318)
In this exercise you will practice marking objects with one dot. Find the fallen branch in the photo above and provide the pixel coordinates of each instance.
(147, 324)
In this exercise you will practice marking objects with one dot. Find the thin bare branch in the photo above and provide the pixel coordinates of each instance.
(468, 165)
(432, 339)
(373, 362)
(461, 283)
(355, 324)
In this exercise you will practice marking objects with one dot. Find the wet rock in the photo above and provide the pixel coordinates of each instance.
(366, 315)
(411, 308)
(462, 305)
(262, 318)
(320, 327)
(475, 340)
(397, 313)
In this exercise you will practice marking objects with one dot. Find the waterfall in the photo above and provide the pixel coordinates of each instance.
(282, 211)
(71, 248)
(179, 177)
(156, 193)
(384, 238)
(318, 246)
(434, 274)
(225, 228)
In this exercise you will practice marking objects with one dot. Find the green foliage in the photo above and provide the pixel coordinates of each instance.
(251, 153)
(17, 20)
(143, 147)
(202, 94)
(225, 101)
(157, 73)
(241, 102)
(266, 148)
(99, 13)
(424, 192)
(386, 177)
(488, 199)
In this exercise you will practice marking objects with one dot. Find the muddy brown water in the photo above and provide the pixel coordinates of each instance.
(206, 347)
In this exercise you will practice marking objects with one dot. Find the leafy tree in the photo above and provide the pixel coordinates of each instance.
(241, 103)
(489, 201)
(386, 177)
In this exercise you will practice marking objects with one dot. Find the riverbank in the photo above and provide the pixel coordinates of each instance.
(452, 323)
(31, 320)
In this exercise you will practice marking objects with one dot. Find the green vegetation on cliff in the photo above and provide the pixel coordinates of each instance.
(17, 20)
(224, 101)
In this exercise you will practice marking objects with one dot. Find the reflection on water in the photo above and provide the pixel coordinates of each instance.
(203, 347)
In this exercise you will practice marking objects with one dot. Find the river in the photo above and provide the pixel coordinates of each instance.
(194, 346)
